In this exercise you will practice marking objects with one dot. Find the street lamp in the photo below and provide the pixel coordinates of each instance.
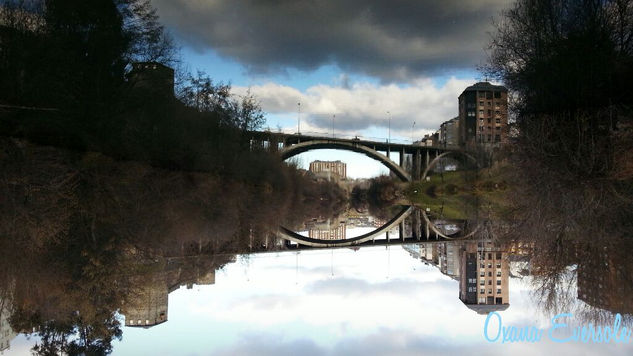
(389, 139)
(412, 126)
(333, 116)
(299, 119)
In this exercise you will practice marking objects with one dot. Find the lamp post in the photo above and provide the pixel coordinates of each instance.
(333, 116)
(299, 118)
(412, 126)
(389, 139)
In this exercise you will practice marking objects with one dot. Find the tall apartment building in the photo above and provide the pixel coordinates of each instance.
(484, 282)
(483, 115)
(330, 168)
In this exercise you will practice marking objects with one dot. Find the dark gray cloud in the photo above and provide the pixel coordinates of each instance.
(391, 40)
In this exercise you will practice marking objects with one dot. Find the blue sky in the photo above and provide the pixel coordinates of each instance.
(351, 68)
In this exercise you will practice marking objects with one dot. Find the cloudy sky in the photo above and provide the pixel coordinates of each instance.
(347, 63)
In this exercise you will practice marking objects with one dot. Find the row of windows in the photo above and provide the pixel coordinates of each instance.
(497, 138)
(483, 274)
(483, 291)
(482, 282)
(489, 94)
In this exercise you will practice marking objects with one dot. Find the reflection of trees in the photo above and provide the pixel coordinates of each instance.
(81, 226)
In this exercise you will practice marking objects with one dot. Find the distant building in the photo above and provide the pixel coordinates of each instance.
(449, 259)
(152, 76)
(449, 133)
(483, 115)
(484, 276)
(329, 168)
(328, 230)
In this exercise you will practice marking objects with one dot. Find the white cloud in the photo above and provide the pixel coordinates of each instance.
(362, 107)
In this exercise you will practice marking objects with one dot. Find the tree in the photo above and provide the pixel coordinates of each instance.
(569, 62)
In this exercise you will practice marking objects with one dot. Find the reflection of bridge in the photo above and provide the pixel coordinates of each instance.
(290, 145)
(420, 226)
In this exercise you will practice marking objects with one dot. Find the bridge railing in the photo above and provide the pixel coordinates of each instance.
(344, 136)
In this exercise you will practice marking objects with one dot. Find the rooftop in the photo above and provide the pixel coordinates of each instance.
(485, 86)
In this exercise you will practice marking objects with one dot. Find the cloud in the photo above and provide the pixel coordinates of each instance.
(362, 106)
(391, 40)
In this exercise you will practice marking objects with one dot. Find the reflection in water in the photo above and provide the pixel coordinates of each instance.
(480, 267)
(98, 245)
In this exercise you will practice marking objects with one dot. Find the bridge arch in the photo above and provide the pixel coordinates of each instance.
(303, 240)
(437, 159)
(296, 149)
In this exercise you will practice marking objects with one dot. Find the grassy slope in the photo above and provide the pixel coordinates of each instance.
(458, 195)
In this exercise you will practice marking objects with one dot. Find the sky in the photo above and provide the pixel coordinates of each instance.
(367, 68)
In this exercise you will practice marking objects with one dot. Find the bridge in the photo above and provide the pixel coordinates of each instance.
(422, 157)
(418, 224)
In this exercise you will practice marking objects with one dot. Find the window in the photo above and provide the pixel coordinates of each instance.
(489, 120)
(482, 274)
(489, 274)
(482, 94)
(489, 291)
(498, 282)
(489, 265)
(489, 112)
(497, 94)
(498, 265)
(481, 128)
(497, 138)
(498, 128)
(498, 255)
(481, 103)
(498, 273)
(471, 113)
(482, 291)
(482, 282)
(488, 95)
(498, 121)
(490, 282)
(497, 112)
(498, 290)
(481, 113)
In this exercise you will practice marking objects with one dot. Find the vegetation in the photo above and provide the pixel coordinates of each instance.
(569, 66)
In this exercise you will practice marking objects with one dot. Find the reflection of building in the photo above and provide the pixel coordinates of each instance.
(604, 279)
(329, 168)
(481, 268)
(449, 259)
(147, 302)
(483, 284)
(328, 230)
(6, 331)
(483, 115)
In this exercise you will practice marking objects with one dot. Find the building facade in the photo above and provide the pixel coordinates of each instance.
(484, 285)
(449, 133)
(483, 116)
(330, 168)
(328, 230)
